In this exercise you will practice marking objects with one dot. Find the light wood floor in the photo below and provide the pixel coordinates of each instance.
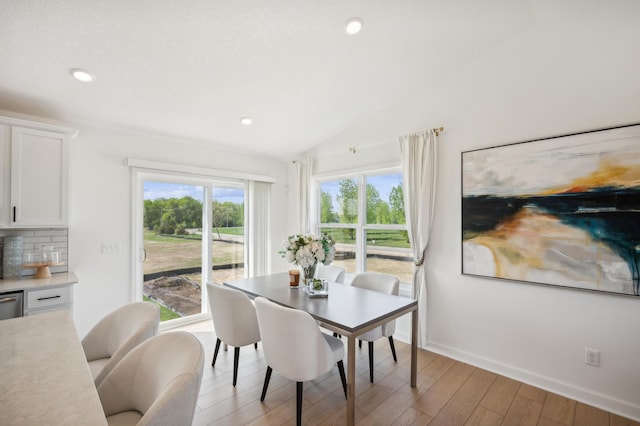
(448, 392)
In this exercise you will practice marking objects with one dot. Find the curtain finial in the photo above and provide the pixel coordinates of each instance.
(437, 130)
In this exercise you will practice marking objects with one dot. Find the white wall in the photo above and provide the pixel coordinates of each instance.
(101, 208)
(568, 75)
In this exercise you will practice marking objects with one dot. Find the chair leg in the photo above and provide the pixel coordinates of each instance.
(360, 344)
(298, 403)
(236, 358)
(255, 345)
(371, 362)
(215, 353)
(266, 383)
(342, 377)
(393, 349)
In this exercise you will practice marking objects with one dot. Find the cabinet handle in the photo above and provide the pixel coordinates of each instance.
(14, 213)
(8, 299)
(50, 297)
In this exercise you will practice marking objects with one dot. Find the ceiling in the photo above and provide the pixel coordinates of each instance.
(191, 69)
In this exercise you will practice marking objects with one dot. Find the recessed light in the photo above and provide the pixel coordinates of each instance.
(81, 75)
(354, 25)
(246, 121)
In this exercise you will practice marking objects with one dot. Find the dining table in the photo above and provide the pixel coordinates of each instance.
(347, 310)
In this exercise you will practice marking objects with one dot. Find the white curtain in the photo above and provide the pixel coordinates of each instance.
(259, 242)
(419, 182)
(304, 169)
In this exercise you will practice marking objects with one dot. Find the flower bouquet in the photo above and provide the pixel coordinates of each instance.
(306, 250)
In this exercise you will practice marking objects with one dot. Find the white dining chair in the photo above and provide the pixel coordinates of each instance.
(118, 333)
(383, 283)
(156, 384)
(331, 273)
(295, 347)
(234, 321)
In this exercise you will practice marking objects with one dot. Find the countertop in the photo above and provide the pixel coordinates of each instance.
(30, 283)
(45, 375)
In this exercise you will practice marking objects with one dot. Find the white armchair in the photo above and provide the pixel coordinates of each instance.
(234, 320)
(383, 283)
(117, 334)
(156, 384)
(294, 346)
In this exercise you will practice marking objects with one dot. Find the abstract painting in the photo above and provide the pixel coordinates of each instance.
(562, 211)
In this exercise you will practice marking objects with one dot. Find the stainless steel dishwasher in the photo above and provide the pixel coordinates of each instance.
(10, 305)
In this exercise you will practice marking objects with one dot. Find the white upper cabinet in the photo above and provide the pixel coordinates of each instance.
(36, 167)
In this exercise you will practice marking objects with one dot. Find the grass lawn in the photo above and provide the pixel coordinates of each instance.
(166, 253)
(375, 237)
(238, 230)
(165, 314)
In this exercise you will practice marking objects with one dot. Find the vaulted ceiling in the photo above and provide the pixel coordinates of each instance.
(192, 69)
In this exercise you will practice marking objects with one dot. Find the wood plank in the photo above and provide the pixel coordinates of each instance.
(548, 422)
(460, 407)
(615, 420)
(399, 401)
(590, 416)
(532, 393)
(412, 417)
(559, 409)
(432, 401)
(500, 395)
(523, 412)
(482, 416)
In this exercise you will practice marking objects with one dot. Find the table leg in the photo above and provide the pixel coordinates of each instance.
(351, 380)
(414, 347)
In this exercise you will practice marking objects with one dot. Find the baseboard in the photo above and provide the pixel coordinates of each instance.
(613, 405)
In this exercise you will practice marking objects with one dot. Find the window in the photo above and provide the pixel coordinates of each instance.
(365, 216)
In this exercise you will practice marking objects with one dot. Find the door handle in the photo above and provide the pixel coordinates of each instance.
(8, 299)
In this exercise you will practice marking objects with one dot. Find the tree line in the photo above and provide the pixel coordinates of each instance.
(378, 211)
(175, 215)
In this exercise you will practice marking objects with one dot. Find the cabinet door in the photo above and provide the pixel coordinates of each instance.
(39, 178)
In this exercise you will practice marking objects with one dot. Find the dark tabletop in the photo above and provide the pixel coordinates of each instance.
(346, 307)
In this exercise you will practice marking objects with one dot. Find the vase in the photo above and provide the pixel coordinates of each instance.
(12, 257)
(308, 273)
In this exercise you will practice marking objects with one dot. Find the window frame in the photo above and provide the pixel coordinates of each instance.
(208, 183)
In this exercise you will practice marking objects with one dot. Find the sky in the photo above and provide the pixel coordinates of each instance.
(155, 190)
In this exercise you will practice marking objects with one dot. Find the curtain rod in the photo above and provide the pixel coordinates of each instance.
(353, 149)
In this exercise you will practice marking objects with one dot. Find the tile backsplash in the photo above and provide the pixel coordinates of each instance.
(34, 239)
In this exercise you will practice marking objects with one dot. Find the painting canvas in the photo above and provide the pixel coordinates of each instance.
(561, 211)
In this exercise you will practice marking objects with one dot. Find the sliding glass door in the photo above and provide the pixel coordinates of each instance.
(173, 245)
(189, 231)
(228, 248)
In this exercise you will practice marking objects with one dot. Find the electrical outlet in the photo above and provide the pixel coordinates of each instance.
(592, 357)
(110, 248)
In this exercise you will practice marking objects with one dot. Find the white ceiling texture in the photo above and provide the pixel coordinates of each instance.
(190, 69)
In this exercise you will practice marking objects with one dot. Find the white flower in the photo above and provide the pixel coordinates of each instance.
(306, 250)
